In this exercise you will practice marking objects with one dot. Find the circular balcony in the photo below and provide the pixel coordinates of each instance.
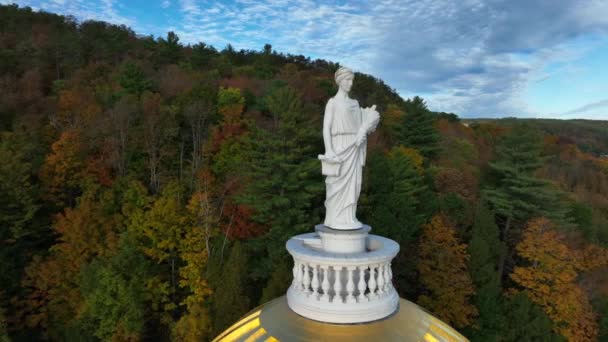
(335, 287)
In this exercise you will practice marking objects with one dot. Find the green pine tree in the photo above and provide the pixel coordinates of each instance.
(514, 193)
(486, 251)
(417, 129)
(396, 203)
(229, 299)
(286, 182)
(526, 322)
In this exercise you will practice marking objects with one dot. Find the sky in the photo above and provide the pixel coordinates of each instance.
(494, 58)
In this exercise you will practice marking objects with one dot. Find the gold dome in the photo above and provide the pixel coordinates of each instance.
(275, 321)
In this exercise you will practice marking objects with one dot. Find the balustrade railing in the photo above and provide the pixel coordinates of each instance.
(336, 284)
(342, 287)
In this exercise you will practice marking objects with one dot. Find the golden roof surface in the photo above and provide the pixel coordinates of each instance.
(275, 321)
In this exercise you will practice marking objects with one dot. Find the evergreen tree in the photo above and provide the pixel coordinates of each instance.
(21, 228)
(515, 194)
(18, 194)
(279, 282)
(229, 300)
(169, 49)
(285, 180)
(396, 203)
(417, 128)
(486, 250)
(133, 80)
(523, 321)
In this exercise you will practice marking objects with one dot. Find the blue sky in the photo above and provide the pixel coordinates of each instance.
(525, 58)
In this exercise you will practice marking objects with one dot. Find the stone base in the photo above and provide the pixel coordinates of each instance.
(343, 241)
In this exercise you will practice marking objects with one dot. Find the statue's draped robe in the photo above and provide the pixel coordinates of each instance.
(342, 192)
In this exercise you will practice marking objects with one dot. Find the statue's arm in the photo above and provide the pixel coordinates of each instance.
(327, 120)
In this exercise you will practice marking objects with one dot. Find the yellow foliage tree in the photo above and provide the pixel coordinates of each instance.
(230, 104)
(443, 272)
(63, 169)
(194, 248)
(411, 153)
(550, 280)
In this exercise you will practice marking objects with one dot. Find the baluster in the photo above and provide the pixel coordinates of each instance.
(315, 281)
(325, 284)
(337, 284)
(350, 286)
(299, 276)
(372, 282)
(362, 286)
(387, 277)
(381, 280)
(306, 279)
(390, 274)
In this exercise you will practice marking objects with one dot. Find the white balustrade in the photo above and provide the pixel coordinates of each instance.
(342, 288)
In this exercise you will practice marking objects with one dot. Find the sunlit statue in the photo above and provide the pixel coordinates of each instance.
(345, 130)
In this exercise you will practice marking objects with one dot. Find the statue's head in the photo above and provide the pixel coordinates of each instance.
(344, 78)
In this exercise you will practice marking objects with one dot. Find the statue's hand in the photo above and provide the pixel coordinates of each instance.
(361, 138)
(331, 155)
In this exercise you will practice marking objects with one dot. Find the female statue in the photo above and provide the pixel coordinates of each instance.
(345, 130)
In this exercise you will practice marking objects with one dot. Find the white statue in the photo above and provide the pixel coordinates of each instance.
(345, 130)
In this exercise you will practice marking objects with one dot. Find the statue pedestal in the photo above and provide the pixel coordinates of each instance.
(343, 241)
(342, 276)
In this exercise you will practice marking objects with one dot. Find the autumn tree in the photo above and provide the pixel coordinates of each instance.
(77, 108)
(162, 228)
(159, 127)
(53, 295)
(195, 249)
(549, 279)
(444, 273)
(120, 120)
(62, 173)
(198, 107)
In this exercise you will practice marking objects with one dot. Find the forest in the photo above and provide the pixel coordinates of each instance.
(148, 187)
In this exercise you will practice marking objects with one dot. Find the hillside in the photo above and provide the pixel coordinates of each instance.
(147, 189)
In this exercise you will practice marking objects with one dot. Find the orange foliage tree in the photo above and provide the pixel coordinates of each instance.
(53, 283)
(550, 278)
(443, 272)
(62, 171)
